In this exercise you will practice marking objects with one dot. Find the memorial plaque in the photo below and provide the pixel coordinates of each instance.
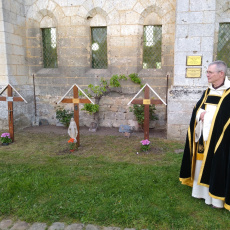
(194, 61)
(146, 102)
(125, 129)
(75, 100)
(193, 72)
(9, 99)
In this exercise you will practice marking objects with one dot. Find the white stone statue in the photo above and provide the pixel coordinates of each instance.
(72, 130)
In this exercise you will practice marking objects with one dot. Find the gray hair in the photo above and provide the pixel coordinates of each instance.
(220, 65)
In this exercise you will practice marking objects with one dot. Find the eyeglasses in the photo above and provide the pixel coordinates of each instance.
(210, 72)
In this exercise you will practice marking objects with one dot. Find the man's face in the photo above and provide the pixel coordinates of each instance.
(214, 76)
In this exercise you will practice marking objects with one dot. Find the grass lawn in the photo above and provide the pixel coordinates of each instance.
(104, 183)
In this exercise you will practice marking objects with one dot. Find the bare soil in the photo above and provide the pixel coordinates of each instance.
(102, 131)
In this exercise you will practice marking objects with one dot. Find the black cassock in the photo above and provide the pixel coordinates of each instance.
(215, 169)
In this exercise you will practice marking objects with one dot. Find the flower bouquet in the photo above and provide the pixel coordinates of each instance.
(5, 138)
(73, 144)
(145, 145)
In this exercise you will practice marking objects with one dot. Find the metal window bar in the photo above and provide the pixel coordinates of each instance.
(99, 47)
(152, 47)
(49, 43)
(223, 47)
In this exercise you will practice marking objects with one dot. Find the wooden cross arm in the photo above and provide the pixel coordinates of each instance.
(152, 101)
(77, 100)
(14, 99)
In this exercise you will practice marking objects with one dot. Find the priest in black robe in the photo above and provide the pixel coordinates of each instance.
(206, 162)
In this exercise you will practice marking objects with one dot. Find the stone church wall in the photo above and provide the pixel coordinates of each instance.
(73, 19)
(197, 26)
(14, 69)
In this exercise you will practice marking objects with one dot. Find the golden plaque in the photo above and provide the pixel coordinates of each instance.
(194, 60)
(146, 101)
(193, 72)
(75, 100)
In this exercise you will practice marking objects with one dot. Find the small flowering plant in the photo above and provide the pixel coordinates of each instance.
(73, 144)
(5, 138)
(145, 145)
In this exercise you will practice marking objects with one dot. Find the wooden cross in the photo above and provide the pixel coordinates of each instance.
(75, 100)
(146, 102)
(10, 99)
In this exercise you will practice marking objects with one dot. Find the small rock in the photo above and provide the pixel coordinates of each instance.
(38, 226)
(6, 224)
(111, 228)
(20, 225)
(75, 227)
(91, 227)
(57, 226)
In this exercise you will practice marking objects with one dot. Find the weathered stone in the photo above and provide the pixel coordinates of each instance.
(75, 227)
(6, 224)
(20, 225)
(91, 227)
(57, 226)
(38, 226)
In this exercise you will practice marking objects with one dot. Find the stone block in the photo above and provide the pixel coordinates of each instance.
(75, 227)
(20, 225)
(201, 30)
(127, 30)
(110, 115)
(173, 132)
(38, 226)
(207, 44)
(120, 116)
(106, 123)
(57, 226)
(203, 5)
(6, 224)
(183, 6)
(91, 227)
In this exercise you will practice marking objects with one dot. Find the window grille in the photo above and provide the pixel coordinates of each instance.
(152, 47)
(49, 48)
(99, 47)
(223, 48)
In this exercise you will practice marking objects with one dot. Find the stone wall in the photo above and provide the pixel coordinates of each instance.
(124, 22)
(195, 27)
(13, 65)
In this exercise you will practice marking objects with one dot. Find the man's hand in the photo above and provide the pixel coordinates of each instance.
(202, 116)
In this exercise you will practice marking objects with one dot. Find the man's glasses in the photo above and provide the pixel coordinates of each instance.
(210, 72)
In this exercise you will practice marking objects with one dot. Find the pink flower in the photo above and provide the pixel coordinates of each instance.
(145, 142)
(5, 135)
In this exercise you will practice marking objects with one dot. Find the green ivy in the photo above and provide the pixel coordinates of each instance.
(134, 78)
(115, 80)
(139, 113)
(91, 108)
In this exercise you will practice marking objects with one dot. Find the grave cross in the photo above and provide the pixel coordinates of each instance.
(10, 99)
(75, 100)
(146, 102)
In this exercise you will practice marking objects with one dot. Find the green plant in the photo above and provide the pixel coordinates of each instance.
(139, 113)
(145, 145)
(5, 138)
(91, 108)
(115, 80)
(134, 78)
(64, 116)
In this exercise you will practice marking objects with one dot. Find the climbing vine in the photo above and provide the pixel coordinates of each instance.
(98, 91)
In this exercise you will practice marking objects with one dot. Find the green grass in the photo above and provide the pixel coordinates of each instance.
(104, 183)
